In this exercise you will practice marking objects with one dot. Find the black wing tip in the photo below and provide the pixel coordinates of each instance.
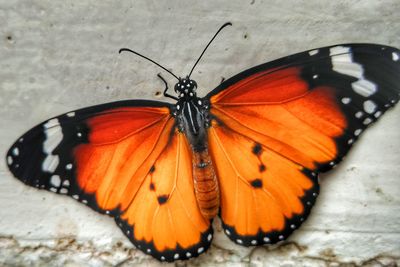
(346, 142)
(15, 158)
(299, 57)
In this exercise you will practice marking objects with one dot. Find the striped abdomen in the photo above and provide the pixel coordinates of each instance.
(205, 184)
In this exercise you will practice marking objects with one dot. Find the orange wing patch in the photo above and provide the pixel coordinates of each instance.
(264, 196)
(139, 169)
(268, 86)
(118, 151)
(303, 130)
(164, 215)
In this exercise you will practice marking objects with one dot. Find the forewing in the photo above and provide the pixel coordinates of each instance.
(125, 159)
(277, 125)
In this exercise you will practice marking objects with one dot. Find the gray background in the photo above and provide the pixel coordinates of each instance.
(58, 56)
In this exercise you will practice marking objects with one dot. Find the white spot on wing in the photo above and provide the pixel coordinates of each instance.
(55, 180)
(15, 151)
(313, 52)
(359, 114)
(68, 166)
(350, 141)
(71, 114)
(395, 56)
(344, 64)
(357, 132)
(367, 121)
(50, 163)
(209, 237)
(54, 137)
(338, 50)
(63, 190)
(51, 123)
(9, 160)
(364, 87)
(346, 100)
(342, 58)
(200, 250)
(378, 114)
(369, 106)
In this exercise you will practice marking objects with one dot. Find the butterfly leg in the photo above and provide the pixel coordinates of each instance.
(166, 88)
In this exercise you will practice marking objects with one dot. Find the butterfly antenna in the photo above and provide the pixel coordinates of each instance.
(220, 29)
(136, 53)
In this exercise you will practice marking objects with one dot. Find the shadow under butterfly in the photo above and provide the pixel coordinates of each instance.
(249, 151)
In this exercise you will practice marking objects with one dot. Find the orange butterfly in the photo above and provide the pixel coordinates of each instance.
(250, 151)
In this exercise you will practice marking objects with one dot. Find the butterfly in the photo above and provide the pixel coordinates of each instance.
(250, 151)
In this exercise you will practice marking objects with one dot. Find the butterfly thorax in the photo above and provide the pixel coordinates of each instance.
(193, 120)
(192, 114)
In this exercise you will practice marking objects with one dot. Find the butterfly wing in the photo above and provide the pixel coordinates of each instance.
(275, 126)
(125, 159)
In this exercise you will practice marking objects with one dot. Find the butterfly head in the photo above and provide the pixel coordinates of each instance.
(186, 87)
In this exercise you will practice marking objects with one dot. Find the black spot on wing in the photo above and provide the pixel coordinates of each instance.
(162, 199)
(152, 169)
(262, 167)
(152, 186)
(256, 183)
(257, 149)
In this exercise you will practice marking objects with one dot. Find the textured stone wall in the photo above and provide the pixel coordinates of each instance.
(56, 56)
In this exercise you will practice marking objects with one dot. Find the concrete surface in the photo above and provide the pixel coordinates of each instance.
(58, 56)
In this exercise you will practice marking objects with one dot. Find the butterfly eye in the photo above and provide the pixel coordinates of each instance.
(176, 87)
(193, 84)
